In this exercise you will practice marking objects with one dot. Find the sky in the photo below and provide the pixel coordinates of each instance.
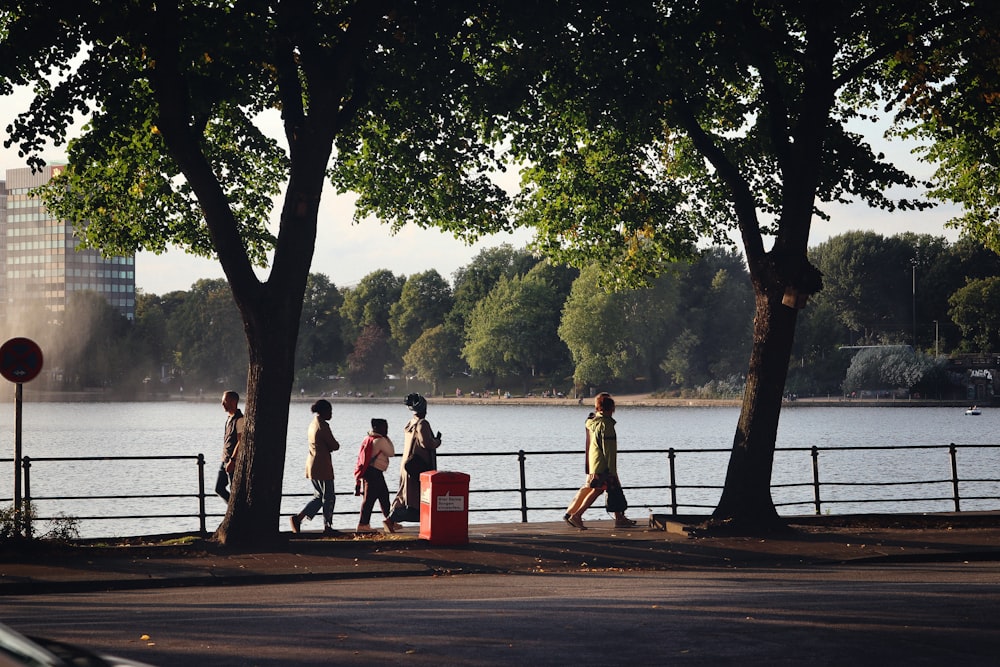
(346, 252)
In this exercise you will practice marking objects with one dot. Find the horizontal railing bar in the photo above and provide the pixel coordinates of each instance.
(669, 456)
(165, 457)
(142, 497)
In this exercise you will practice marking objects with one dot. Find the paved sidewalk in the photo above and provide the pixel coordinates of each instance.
(500, 548)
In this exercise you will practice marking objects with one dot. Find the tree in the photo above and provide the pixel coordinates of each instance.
(477, 278)
(433, 356)
(512, 332)
(424, 303)
(149, 333)
(886, 368)
(975, 308)
(869, 280)
(320, 347)
(206, 330)
(617, 336)
(370, 302)
(653, 124)
(366, 363)
(171, 154)
(716, 305)
(950, 94)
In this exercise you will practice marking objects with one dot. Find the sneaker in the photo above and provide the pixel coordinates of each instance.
(296, 523)
(567, 520)
(624, 522)
(390, 527)
(328, 530)
(363, 528)
(576, 522)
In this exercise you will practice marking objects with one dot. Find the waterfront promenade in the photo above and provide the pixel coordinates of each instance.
(502, 548)
(865, 590)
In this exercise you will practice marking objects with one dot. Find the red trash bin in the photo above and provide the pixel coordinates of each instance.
(444, 507)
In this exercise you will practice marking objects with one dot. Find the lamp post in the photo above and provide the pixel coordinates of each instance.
(936, 353)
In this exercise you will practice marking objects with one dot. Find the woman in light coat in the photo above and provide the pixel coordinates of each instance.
(319, 469)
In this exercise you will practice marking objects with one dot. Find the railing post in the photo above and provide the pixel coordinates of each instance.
(952, 454)
(201, 494)
(26, 496)
(671, 455)
(815, 462)
(524, 486)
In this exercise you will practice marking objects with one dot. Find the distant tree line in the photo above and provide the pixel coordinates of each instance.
(509, 320)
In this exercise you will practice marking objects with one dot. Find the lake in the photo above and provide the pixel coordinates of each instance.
(552, 437)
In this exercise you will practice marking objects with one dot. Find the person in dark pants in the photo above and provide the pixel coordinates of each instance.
(419, 445)
(230, 441)
(373, 460)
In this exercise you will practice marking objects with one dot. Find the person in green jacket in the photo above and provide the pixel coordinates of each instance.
(602, 464)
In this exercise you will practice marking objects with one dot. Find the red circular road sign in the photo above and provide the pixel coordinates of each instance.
(20, 360)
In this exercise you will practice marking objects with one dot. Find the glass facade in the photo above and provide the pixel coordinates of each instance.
(41, 262)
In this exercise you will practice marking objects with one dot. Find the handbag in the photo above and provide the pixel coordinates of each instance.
(416, 465)
(615, 500)
(380, 462)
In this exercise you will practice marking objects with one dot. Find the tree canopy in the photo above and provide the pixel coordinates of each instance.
(644, 127)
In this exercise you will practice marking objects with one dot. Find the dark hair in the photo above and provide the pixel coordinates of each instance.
(603, 403)
(321, 405)
(380, 426)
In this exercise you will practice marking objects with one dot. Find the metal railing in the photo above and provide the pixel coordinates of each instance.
(669, 495)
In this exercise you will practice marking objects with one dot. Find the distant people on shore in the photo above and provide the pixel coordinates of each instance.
(419, 446)
(369, 473)
(319, 469)
(231, 437)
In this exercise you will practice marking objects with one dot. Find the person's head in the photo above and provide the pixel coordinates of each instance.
(604, 404)
(417, 404)
(323, 408)
(380, 426)
(230, 401)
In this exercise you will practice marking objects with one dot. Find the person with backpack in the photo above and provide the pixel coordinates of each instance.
(369, 478)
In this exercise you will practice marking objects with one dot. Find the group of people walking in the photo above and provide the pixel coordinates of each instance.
(420, 443)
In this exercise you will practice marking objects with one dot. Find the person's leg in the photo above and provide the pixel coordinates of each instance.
(314, 505)
(381, 491)
(221, 482)
(364, 521)
(578, 500)
(329, 500)
(587, 496)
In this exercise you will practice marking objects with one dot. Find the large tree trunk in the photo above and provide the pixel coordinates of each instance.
(271, 313)
(746, 503)
(255, 503)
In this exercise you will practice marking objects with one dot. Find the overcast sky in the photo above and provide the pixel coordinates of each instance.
(346, 252)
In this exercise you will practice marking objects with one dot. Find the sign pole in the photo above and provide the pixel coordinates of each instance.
(18, 396)
(20, 362)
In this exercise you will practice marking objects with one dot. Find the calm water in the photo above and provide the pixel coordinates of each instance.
(552, 437)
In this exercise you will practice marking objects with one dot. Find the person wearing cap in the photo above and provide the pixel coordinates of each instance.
(373, 459)
(419, 445)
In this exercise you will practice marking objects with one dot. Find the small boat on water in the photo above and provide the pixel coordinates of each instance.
(973, 411)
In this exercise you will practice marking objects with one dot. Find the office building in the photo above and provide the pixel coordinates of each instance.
(41, 262)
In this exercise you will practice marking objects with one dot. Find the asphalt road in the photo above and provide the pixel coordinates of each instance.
(917, 614)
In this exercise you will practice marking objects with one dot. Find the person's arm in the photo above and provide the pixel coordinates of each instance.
(325, 436)
(426, 437)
